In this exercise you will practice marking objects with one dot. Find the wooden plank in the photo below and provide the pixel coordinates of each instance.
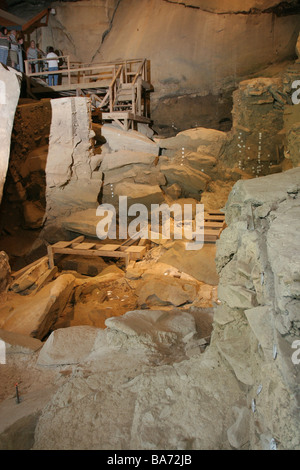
(83, 246)
(47, 276)
(214, 225)
(108, 247)
(214, 218)
(73, 86)
(35, 19)
(136, 249)
(51, 256)
(136, 252)
(65, 244)
(123, 115)
(77, 240)
(216, 213)
(90, 253)
(130, 241)
(19, 273)
(212, 232)
(210, 238)
(61, 244)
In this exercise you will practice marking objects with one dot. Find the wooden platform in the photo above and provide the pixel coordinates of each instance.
(118, 90)
(79, 247)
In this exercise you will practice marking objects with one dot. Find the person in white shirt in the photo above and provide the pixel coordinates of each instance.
(52, 60)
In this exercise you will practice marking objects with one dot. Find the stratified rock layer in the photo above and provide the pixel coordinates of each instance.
(257, 324)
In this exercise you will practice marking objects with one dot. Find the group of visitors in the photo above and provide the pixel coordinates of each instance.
(12, 49)
(12, 53)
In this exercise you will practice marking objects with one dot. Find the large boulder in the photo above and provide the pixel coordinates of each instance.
(59, 348)
(155, 328)
(192, 181)
(205, 141)
(16, 343)
(35, 314)
(126, 157)
(118, 139)
(166, 290)
(138, 193)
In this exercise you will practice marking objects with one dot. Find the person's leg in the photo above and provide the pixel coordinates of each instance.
(50, 76)
(55, 77)
(2, 55)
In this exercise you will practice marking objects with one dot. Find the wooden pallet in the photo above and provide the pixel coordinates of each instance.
(78, 247)
(214, 224)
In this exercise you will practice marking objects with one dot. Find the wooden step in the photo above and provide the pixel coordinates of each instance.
(214, 225)
(216, 218)
(84, 246)
(126, 86)
(216, 213)
(109, 247)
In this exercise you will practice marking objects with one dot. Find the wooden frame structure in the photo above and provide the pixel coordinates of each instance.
(120, 90)
(78, 247)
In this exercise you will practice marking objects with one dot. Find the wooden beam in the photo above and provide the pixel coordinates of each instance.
(47, 276)
(19, 273)
(11, 20)
(36, 19)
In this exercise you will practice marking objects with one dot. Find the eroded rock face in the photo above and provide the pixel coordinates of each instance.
(9, 96)
(188, 92)
(69, 177)
(4, 271)
(256, 323)
(255, 141)
(182, 88)
(36, 316)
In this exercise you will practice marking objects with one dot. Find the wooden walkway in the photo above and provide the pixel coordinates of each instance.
(119, 91)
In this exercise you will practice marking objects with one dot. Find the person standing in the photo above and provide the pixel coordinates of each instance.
(4, 45)
(52, 60)
(32, 55)
(21, 54)
(13, 51)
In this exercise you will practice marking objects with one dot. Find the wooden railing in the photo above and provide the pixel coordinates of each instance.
(113, 79)
(77, 73)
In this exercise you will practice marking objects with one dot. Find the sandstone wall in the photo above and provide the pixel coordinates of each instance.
(9, 96)
(231, 6)
(77, 28)
(208, 47)
(70, 182)
(24, 199)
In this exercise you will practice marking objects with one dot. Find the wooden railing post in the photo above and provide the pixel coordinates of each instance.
(110, 98)
(69, 71)
(26, 67)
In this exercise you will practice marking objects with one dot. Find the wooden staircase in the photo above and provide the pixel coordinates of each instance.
(125, 97)
(119, 91)
(214, 224)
